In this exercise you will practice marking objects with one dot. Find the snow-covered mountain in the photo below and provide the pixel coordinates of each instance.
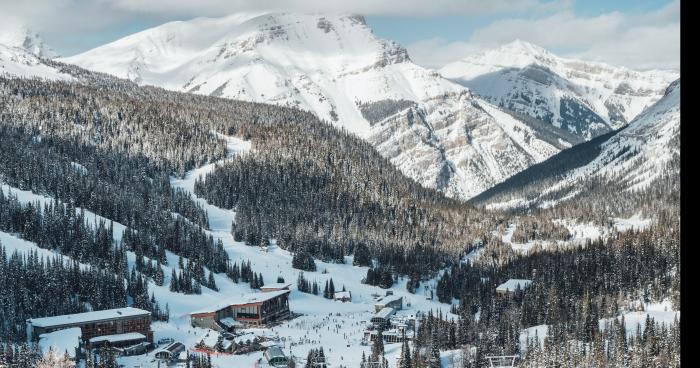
(435, 130)
(24, 38)
(23, 54)
(629, 160)
(586, 98)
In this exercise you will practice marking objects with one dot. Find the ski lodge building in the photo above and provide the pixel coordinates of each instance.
(118, 327)
(383, 317)
(390, 301)
(254, 309)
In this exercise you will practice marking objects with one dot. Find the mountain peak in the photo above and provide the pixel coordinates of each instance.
(24, 38)
(522, 53)
(523, 47)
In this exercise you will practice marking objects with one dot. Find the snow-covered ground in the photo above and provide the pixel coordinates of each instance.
(26, 196)
(336, 326)
(530, 333)
(662, 312)
(635, 222)
(12, 243)
(580, 232)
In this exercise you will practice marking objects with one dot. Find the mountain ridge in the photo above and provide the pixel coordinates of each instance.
(336, 67)
(587, 98)
(629, 159)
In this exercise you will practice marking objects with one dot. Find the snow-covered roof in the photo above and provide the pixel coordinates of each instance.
(277, 285)
(70, 319)
(274, 352)
(245, 299)
(342, 294)
(389, 299)
(385, 313)
(172, 348)
(118, 338)
(61, 341)
(513, 284)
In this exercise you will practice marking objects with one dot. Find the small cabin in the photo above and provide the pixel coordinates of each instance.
(343, 296)
(508, 288)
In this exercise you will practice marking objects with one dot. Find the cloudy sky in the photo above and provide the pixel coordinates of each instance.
(640, 34)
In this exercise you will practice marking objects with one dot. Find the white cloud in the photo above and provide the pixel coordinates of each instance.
(365, 7)
(641, 40)
(638, 41)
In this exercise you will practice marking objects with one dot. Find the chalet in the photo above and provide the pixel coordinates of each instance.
(254, 309)
(508, 288)
(391, 301)
(383, 317)
(343, 296)
(275, 287)
(112, 325)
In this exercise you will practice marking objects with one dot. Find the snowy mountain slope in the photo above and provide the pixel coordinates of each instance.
(586, 98)
(23, 54)
(459, 144)
(334, 66)
(318, 63)
(17, 62)
(630, 159)
(23, 38)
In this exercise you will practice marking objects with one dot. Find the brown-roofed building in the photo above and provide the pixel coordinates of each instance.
(253, 309)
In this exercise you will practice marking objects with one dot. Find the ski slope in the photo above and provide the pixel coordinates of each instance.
(336, 326)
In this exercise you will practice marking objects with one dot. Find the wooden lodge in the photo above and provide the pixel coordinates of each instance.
(254, 309)
(118, 326)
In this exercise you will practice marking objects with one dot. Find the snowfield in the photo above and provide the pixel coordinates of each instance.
(580, 232)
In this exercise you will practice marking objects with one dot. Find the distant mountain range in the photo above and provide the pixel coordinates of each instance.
(461, 141)
(628, 160)
(585, 98)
